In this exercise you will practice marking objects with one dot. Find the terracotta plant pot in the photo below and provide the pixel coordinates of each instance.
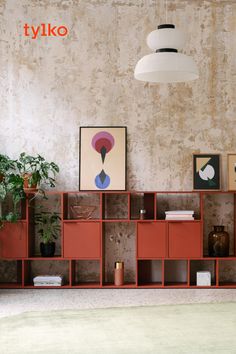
(47, 249)
(26, 186)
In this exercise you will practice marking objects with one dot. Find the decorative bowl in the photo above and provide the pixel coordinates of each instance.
(82, 211)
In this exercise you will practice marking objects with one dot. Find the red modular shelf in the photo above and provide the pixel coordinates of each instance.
(72, 221)
(47, 287)
(87, 285)
(157, 241)
(10, 285)
(124, 286)
(150, 285)
(176, 285)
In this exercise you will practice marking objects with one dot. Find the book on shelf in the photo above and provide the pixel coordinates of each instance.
(179, 215)
(48, 280)
(169, 217)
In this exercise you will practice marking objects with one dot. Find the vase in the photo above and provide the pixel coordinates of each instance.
(119, 273)
(218, 242)
(47, 249)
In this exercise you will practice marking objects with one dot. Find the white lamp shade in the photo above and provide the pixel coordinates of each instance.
(166, 67)
(166, 38)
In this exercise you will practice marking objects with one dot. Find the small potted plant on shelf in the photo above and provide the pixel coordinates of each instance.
(48, 223)
(35, 170)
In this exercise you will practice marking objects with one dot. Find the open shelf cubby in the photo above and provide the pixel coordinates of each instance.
(86, 273)
(81, 206)
(202, 265)
(227, 273)
(119, 245)
(176, 273)
(150, 273)
(33, 268)
(115, 206)
(178, 201)
(142, 201)
(219, 209)
(7, 206)
(10, 273)
(37, 205)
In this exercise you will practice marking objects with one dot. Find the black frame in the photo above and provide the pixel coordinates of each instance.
(200, 184)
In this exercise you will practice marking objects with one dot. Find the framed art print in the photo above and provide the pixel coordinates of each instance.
(206, 171)
(102, 158)
(231, 172)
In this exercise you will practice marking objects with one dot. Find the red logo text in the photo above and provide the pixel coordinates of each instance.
(45, 30)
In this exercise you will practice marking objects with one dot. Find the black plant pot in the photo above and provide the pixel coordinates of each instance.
(47, 249)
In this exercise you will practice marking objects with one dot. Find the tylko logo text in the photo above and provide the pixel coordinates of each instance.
(45, 30)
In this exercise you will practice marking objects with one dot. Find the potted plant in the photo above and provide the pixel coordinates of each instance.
(10, 183)
(35, 170)
(48, 228)
(6, 165)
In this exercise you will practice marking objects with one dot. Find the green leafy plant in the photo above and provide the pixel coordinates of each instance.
(10, 183)
(13, 174)
(6, 165)
(37, 170)
(49, 225)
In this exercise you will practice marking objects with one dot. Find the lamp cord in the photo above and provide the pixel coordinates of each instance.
(166, 11)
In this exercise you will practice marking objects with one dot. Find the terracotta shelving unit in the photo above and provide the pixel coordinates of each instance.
(164, 254)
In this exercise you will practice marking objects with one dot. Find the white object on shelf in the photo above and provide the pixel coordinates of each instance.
(180, 217)
(180, 212)
(48, 280)
(203, 278)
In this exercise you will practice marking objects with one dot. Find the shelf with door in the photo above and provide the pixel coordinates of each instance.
(157, 253)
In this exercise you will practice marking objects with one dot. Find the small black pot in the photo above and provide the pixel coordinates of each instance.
(47, 249)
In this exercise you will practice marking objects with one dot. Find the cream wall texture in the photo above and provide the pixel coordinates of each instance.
(52, 86)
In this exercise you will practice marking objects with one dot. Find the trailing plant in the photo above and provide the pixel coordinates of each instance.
(11, 183)
(13, 174)
(6, 165)
(37, 170)
(48, 223)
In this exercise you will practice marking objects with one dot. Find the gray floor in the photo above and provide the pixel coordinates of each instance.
(18, 301)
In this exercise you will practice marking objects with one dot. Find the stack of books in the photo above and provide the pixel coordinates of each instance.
(48, 280)
(179, 215)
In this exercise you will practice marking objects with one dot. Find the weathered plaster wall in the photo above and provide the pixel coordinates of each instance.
(51, 86)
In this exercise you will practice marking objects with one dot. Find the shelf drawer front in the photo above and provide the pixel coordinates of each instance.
(82, 240)
(184, 239)
(151, 240)
(13, 240)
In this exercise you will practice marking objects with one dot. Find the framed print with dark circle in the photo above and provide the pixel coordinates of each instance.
(102, 158)
(231, 172)
(206, 171)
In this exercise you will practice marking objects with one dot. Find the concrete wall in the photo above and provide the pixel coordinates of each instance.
(52, 86)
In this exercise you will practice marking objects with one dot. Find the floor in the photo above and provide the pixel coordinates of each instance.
(14, 302)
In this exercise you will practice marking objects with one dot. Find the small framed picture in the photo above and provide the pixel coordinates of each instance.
(231, 172)
(102, 158)
(206, 171)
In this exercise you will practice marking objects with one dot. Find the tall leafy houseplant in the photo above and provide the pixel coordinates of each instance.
(10, 183)
(48, 228)
(35, 170)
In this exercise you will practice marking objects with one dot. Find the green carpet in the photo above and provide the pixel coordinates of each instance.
(196, 328)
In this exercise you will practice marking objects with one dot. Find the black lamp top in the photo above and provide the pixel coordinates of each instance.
(167, 25)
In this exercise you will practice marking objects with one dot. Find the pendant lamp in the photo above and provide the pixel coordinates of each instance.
(166, 65)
